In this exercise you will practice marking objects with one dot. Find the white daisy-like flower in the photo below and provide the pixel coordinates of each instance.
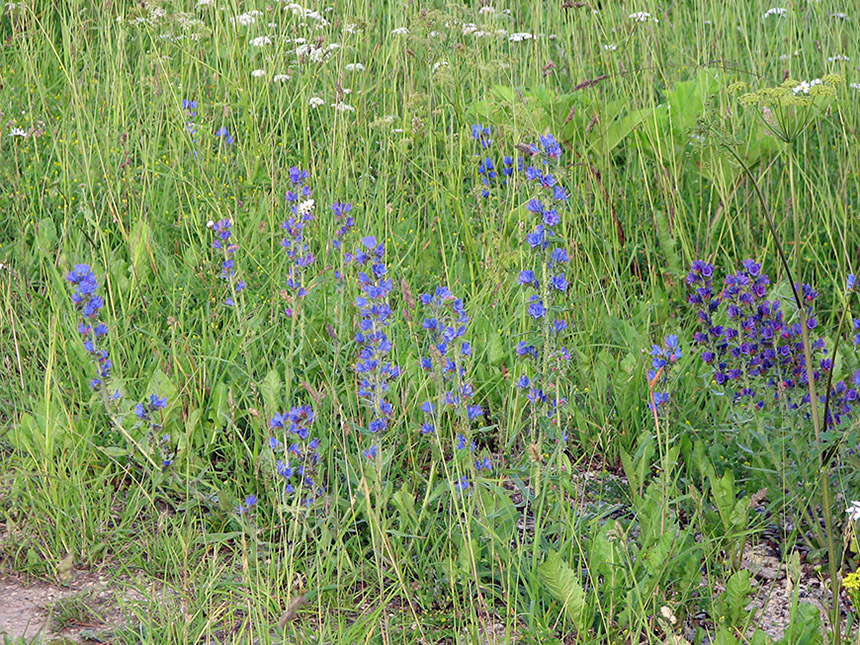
(17, 132)
(775, 11)
(258, 73)
(853, 511)
(487, 9)
(520, 36)
(340, 106)
(305, 207)
(354, 67)
(281, 78)
(438, 64)
(315, 102)
(260, 41)
(400, 31)
(803, 87)
(642, 16)
(837, 58)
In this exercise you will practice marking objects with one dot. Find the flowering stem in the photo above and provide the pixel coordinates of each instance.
(826, 502)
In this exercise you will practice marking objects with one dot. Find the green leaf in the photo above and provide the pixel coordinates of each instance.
(734, 600)
(270, 389)
(139, 251)
(564, 585)
(496, 348)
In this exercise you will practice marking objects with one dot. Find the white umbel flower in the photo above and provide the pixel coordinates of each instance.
(315, 102)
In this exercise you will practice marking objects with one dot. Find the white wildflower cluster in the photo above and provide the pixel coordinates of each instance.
(837, 58)
(155, 15)
(840, 16)
(281, 78)
(642, 16)
(439, 64)
(520, 36)
(305, 207)
(487, 9)
(400, 31)
(350, 28)
(205, 3)
(260, 41)
(314, 53)
(354, 67)
(246, 19)
(775, 11)
(258, 73)
(803, 87)
(853, 511)
(306, 14)
(854, 86)
(610, 48)
(315, 102)
(340, 106)
(18, 132)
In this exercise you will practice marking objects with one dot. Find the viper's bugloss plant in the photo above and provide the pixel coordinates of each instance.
(545, 282)
(294, 242)
(492, 175)
(445, 323)
(296, 455)
(92, 330)
(374, 368)
(149, 414)
(222, 243)
(663, 358)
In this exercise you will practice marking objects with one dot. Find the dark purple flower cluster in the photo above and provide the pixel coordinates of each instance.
(223, 232)
(374, 368)
(88, 304)
(491, 175)
(746, 339)
(294, 243)
(299, 466)
(446, 324)
(662, 359)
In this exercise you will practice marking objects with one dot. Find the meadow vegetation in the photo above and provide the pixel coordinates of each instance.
(375, 321)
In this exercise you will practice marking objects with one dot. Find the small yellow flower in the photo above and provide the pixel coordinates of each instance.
(852, 581)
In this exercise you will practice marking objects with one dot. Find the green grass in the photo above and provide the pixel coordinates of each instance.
(393, 550)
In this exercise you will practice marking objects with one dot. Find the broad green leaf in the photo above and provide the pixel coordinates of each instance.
(564, 585)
